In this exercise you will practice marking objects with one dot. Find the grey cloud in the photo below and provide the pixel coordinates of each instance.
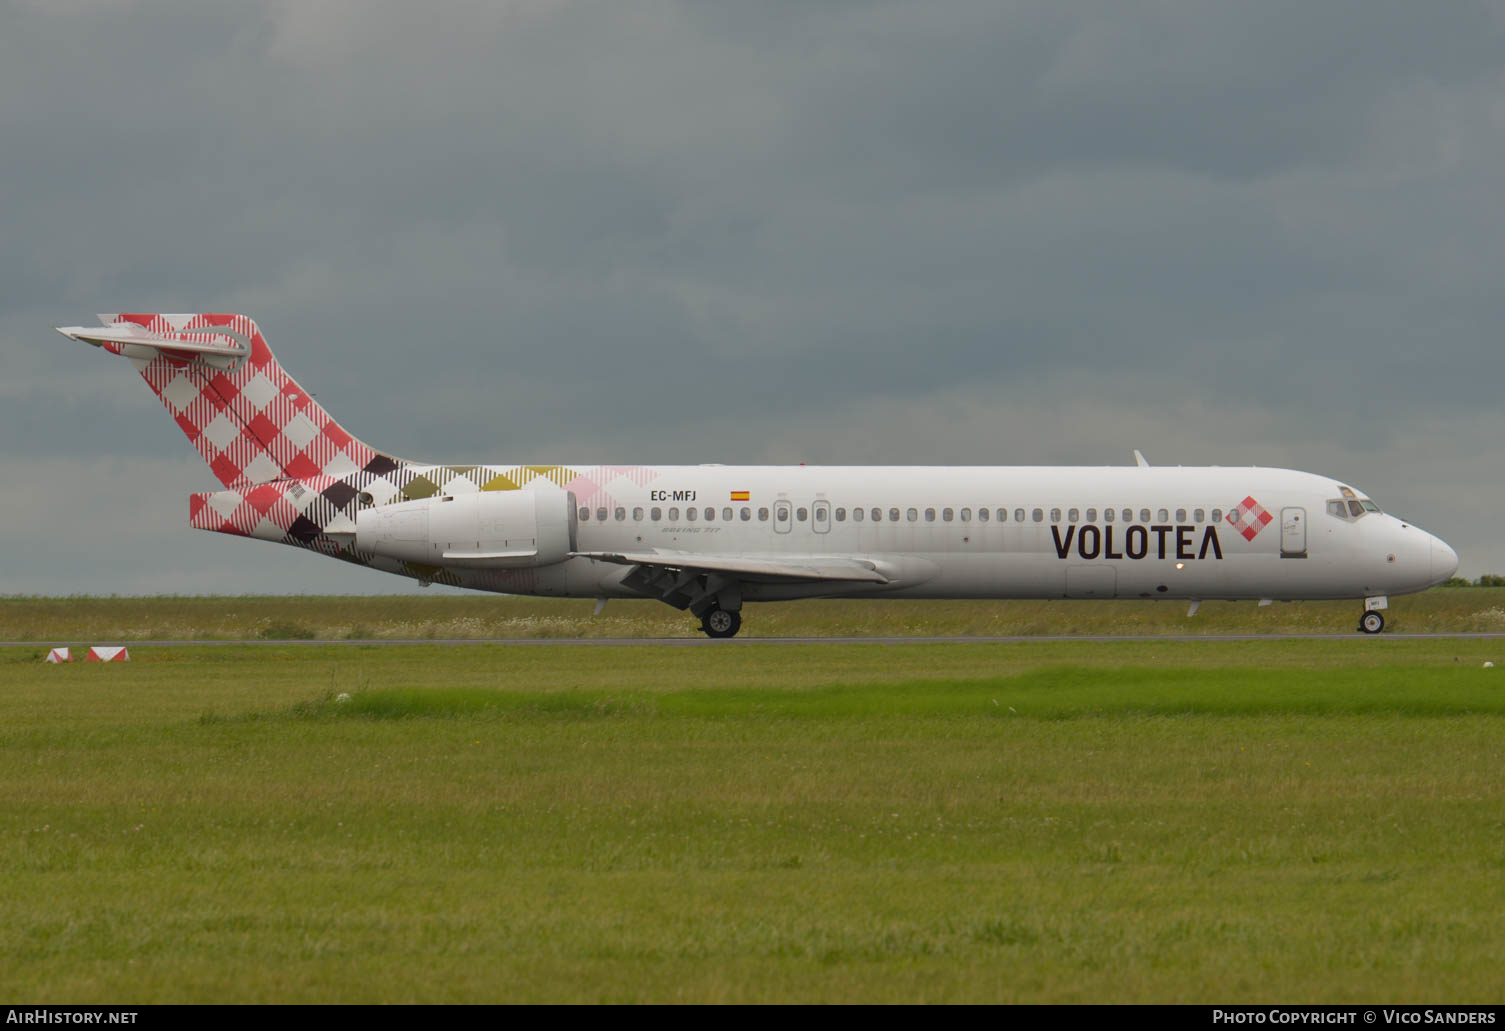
(679, 231)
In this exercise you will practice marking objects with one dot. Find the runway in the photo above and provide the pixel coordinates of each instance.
(706, 642)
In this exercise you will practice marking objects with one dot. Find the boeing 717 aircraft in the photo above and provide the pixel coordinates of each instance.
(707, 538)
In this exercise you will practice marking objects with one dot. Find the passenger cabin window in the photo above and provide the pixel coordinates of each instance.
(801, 514)
(690, 514)
(1217, 515)
(762, 515)
(746, 514)
(1144, 515)
(1199, 516)
(1180, 515)
(726, 514)
(1162, 515)
(893, 515)
(600, 515)
(1107, 515)
(673, 515)
(966, 515)
(947, 515)
(982, 515)
(1055, 515)
(1018, 515)
(781, 515)
(841, 515)
(1003, 515)
(1038, 516)
(911, 514)
(1074, 514)
(857, 515)
(930, 515)
(585, 515)
(656, 514)
(1092, 515)
(637, 515)
(710, 513)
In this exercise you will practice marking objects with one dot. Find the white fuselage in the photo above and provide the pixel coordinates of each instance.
(1049, 532)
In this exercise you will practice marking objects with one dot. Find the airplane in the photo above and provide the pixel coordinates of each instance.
(707, 538)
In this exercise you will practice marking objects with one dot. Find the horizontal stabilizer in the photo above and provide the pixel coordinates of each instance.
(208, 340)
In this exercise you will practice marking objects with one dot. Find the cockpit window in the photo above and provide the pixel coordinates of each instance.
(1350, 505)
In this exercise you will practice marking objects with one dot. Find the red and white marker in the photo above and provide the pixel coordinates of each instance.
(60, 655)
(101, 653)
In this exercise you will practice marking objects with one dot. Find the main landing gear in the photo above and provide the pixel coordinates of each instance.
(718, 622)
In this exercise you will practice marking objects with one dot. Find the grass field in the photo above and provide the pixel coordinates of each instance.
(1463, 609)
(1051, 821)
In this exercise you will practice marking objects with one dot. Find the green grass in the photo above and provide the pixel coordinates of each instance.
(1276, 821)
(1056, 693)
(359, 617)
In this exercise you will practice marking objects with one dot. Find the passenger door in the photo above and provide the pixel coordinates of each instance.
(1293, 533)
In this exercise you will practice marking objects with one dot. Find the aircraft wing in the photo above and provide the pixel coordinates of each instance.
(754, 568)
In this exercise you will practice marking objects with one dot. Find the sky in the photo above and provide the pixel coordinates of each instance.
(529, 231)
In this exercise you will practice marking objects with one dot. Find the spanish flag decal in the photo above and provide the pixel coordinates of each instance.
(740, 495)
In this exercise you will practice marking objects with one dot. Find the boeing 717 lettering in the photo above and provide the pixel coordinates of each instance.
(707, 538)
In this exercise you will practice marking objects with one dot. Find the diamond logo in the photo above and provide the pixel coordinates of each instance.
(1249, 518)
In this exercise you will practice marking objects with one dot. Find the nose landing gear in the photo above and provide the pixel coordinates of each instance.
(1372, 622)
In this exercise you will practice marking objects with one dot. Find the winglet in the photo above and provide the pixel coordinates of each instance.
(1140, 460)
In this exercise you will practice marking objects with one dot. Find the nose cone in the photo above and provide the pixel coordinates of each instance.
(1444, 561)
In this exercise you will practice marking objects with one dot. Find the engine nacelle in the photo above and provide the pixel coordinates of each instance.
(492, 529)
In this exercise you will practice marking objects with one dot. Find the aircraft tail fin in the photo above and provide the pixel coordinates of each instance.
(247, 417)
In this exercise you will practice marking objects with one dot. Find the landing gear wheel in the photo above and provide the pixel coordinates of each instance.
(721, 623)
(1372, 622)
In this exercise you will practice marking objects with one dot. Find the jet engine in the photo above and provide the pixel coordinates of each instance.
(510, 529)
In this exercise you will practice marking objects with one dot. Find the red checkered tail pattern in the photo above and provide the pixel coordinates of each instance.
(247, 417)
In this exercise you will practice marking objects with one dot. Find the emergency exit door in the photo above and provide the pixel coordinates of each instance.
(781, 521)
(1293, 533)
